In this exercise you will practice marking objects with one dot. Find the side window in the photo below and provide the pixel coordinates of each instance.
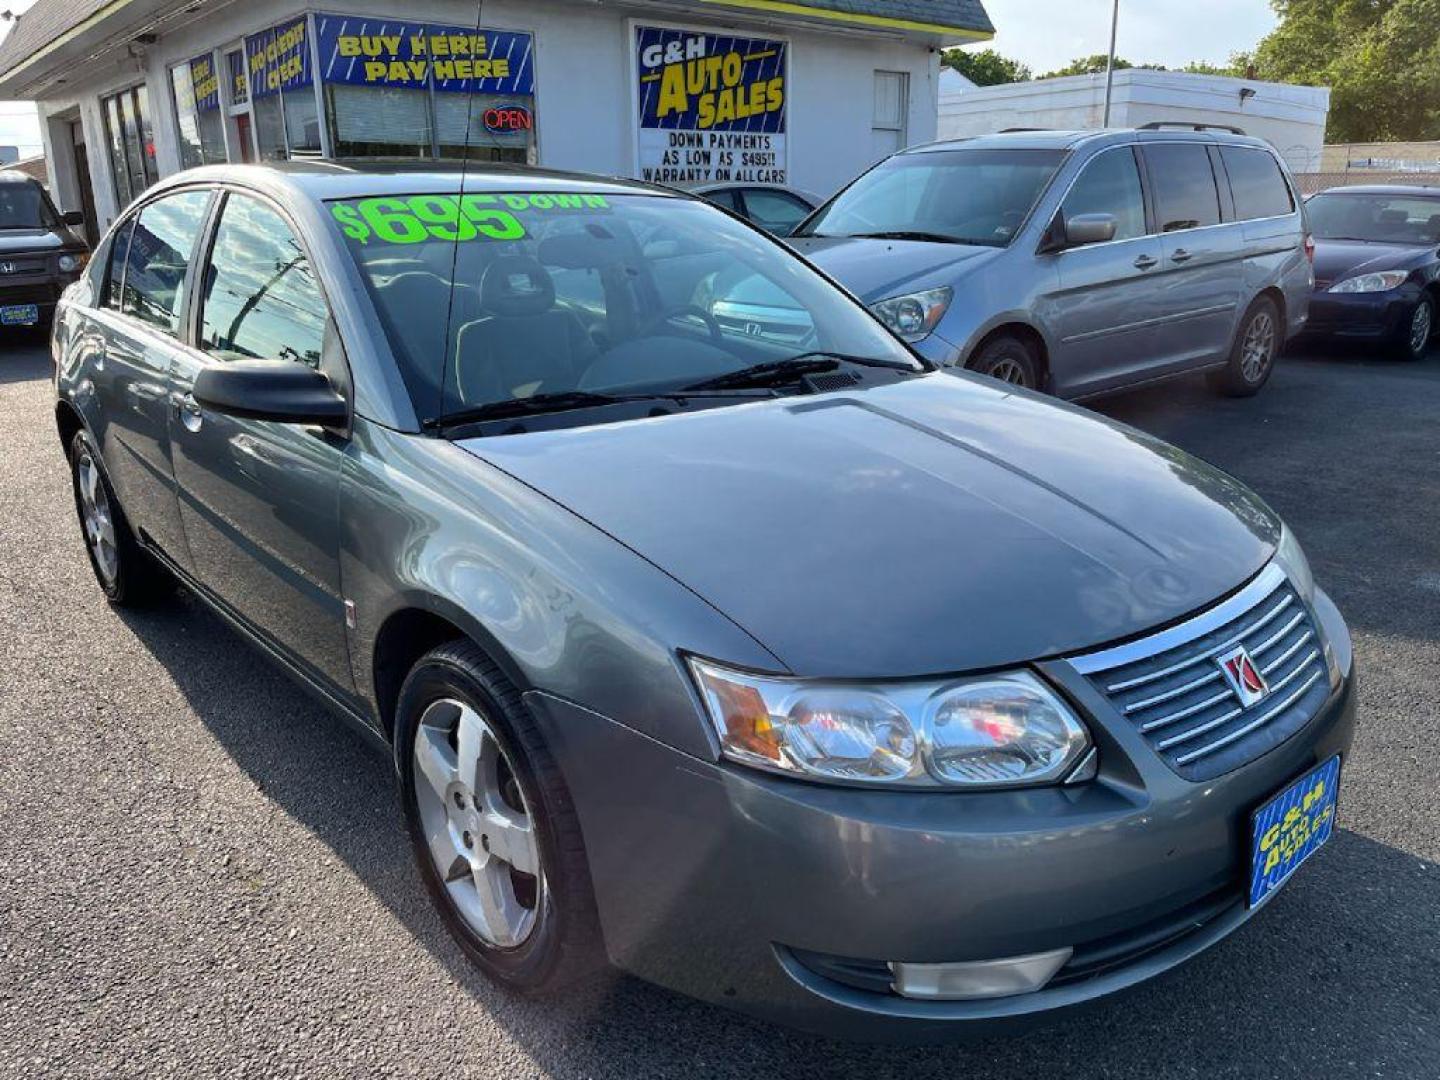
(161, 243)
(261, 298)
(1110, 184)
(723, 197)
(1185, 193)
(115, 265)
(774, 211)
(1256, 183)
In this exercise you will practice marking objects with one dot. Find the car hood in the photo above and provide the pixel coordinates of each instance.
(13, 241)
(878, 269)
(1336, 260)
(939, 524)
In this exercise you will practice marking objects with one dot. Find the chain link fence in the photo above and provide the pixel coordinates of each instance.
(1312, 182)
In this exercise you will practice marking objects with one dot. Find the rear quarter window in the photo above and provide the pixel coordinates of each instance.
(1256, 183)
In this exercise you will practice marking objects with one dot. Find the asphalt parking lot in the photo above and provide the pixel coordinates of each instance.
(202, 873)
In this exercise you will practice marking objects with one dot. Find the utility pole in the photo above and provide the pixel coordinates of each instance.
(1110, 63)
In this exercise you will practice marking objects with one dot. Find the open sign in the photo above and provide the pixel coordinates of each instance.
(503, 118)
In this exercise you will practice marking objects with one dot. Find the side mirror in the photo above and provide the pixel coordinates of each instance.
(1085, 229)
(283, 391)
(73, 217)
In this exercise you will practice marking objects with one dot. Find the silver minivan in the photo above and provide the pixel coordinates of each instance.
(1079, 262)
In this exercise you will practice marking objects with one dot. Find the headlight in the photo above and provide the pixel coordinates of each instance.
(994, 731)
(1381, 282)
(914, 315)
(1292, 560)
(71, 263)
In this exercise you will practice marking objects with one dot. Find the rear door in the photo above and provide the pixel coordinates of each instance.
(260, 500)
(1101, 315)
(1200, 283)
(136, 323)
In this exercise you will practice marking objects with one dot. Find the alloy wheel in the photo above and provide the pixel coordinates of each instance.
(1258, 348)
(1421, 324)
(478, 827)
(96, 517)
(1009, 370)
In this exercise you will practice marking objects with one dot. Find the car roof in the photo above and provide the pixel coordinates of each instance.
(15, 176)
(322, 180)
(1432, 190)
(1046, 139)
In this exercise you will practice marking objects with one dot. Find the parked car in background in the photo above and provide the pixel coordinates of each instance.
(774, 208)
(1377, 266)
(626, 594)
(1078, 262)
(39, 255)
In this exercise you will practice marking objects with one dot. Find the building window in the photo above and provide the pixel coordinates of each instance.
(196, 88)
(282, 91)
(892, 106)
(420, 90)
(131, 142)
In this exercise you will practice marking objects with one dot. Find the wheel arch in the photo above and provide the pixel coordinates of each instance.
(67, 422)
(1027, 333)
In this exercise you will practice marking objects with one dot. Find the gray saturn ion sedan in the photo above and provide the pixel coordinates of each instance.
(801, 678)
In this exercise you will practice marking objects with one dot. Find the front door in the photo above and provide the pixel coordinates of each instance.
(1101, 315)
(260, 500)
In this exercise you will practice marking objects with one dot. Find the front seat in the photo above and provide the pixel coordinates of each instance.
(522, 344)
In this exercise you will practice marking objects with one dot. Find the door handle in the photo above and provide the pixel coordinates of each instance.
(1180, 255)
(1144, 262)
(188, 410)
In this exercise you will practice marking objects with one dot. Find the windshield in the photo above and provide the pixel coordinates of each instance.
(1384, 219)
(24, 206)
(582, 293)
(960, 196)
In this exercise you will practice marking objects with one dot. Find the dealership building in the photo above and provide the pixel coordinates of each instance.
(681, 91)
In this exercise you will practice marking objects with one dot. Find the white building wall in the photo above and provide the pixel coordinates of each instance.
(1291, 118)
(583, 102)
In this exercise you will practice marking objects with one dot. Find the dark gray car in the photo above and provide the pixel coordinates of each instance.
(1079, 261)
(801, 678)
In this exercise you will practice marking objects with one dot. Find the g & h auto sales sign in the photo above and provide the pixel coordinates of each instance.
(711, 107)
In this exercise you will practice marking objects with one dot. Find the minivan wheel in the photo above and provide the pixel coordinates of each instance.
(1415, 338)
(125, 571)
(1009, 359)
(492, 824)
(1252, 357)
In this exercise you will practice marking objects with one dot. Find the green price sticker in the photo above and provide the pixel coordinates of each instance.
(414, 219)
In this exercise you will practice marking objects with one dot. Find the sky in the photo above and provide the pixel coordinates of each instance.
(1047, 34)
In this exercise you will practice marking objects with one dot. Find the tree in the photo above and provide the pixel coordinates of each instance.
(1095, 65)
(1381, 59)
(986, 67)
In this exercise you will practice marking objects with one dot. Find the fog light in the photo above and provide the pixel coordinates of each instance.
(973, 979)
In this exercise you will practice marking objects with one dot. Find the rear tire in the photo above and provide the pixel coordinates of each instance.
(485, 805)
(1252, 356)
(127, 573)
(1414, 340)
(1009, 359)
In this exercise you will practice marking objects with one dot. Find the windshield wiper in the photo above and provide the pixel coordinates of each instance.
(781, 372)
(560, 401)
(909, 234)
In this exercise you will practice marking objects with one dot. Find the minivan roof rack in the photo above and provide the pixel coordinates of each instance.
(1161, 125)
(1012, 130)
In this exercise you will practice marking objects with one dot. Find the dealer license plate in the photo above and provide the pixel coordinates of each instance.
(19, 315)
(1291, 827)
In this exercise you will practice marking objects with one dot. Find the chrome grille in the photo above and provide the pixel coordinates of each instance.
(1172, 688)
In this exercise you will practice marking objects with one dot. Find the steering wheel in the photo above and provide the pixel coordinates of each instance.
(687, 309)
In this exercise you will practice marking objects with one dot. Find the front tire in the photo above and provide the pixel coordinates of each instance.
(1415, 338)
(492, 825)
(1252, 356)
(127, 574)
(1009, 359)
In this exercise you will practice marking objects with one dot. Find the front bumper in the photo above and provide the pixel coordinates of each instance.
(1363, 317)
(773, 896)
(41, 290)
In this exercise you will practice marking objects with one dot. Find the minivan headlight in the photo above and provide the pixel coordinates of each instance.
(914, 315)
(1364, 283)
(994, 731)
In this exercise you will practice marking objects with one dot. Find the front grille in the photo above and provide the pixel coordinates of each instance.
(27, 294)
(1172, 688)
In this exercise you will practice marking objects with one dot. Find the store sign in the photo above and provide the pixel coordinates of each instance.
(200, 92)
(279, 58)
(711, 107)
(505, 119)
(371, 52)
